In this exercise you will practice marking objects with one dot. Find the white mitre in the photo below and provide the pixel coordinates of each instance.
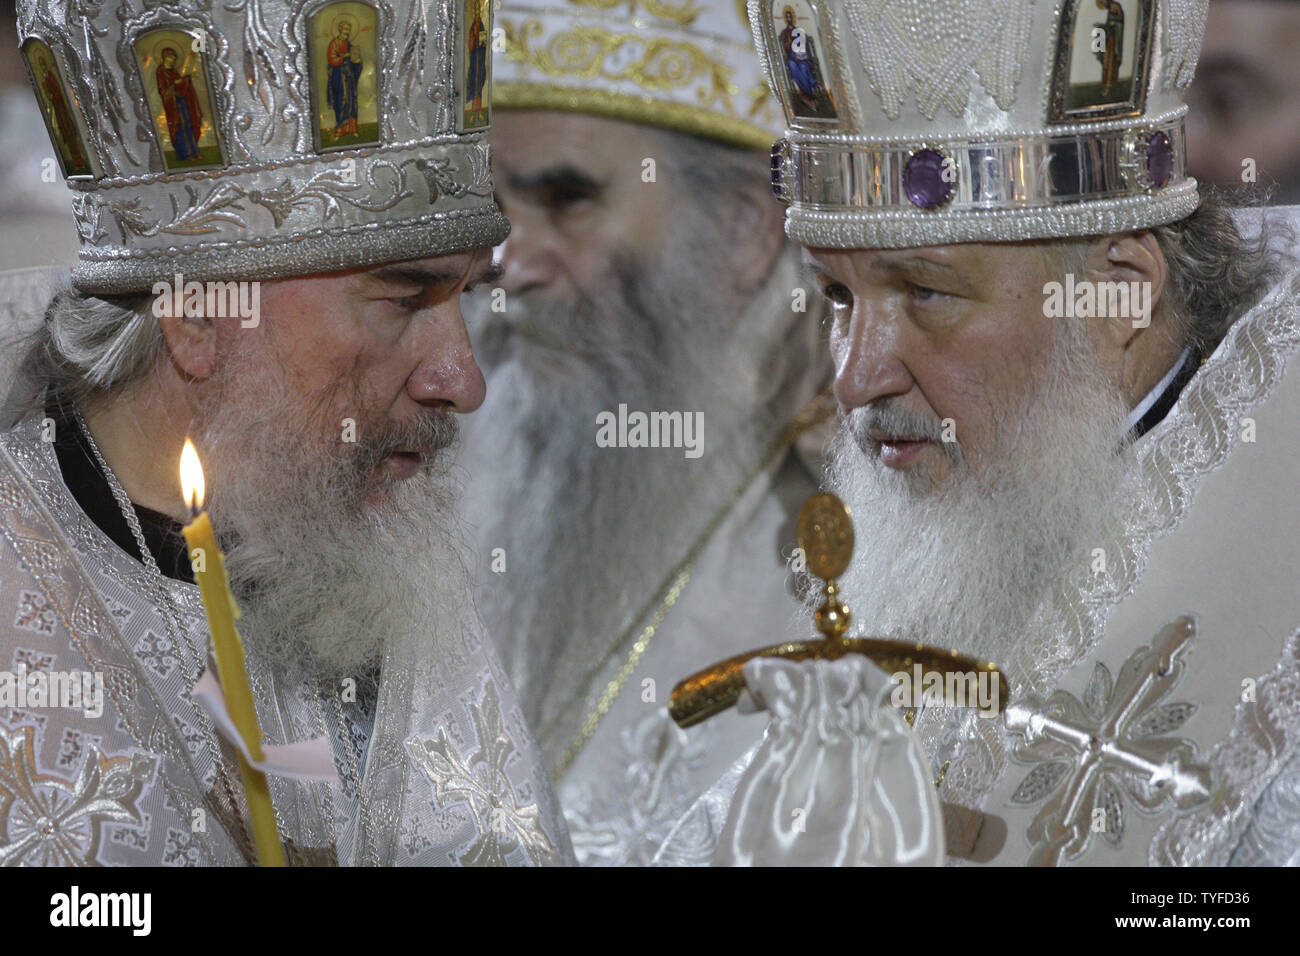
(687, 66)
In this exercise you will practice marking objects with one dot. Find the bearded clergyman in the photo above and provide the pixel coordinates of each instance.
(296, 313)
(654, 370)
(1069, 432)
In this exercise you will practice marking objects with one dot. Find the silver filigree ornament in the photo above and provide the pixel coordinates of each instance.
(480, 783)
(930, 47)
(48, 821)
(1115, 743)
(1182, 40)
(269, 201)
(439, 176)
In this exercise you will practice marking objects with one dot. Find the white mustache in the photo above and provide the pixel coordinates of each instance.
(887, 416)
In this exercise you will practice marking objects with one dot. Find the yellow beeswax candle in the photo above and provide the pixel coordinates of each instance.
(219, 604)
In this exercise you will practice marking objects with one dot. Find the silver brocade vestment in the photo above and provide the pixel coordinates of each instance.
(639, 772)
(1155, 713)
(440, 771)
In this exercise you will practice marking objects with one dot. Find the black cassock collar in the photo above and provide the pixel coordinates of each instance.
(89, 486)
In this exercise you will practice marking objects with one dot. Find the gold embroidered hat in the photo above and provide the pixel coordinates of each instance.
(926, 122)
(687, 65)
(265, 138)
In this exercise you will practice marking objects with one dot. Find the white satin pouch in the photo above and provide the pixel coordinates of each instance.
(839, 778)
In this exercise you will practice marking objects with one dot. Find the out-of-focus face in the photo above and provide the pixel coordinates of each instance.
(579, 207)
(1245, 100)
(943, 333)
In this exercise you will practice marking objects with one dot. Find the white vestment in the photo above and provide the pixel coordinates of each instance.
(639, 772)
(439, 770)
(1155, 709)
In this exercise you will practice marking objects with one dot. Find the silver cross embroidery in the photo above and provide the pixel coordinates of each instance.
(1090, 753)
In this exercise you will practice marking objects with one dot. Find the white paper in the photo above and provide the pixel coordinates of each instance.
(304, 760)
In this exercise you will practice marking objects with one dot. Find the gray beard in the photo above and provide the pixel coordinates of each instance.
(590, 533)
(966, 566)
(326, 580)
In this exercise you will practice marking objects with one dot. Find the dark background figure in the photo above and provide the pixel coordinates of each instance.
(1243, 125)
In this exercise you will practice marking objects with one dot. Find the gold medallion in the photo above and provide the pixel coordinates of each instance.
(825, 533)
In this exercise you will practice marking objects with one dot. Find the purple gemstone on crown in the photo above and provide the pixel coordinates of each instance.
(778, 161)
(923, 179)
(1160, 159)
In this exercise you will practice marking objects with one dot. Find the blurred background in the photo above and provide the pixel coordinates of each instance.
(1243, 129)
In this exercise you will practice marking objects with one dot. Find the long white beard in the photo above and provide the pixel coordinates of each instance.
(966, 565)
(588, 533)
(324, 578)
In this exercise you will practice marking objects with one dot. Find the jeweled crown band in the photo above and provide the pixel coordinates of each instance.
(941, 182)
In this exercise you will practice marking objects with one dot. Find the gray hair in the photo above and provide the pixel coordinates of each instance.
(714, 173)
(92, 347)
(1215, 273)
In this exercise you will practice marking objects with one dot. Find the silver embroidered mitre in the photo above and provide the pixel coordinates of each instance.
(258, 139)
(927, 122)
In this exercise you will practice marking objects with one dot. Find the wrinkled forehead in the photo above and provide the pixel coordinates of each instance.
(955, 260)
(526, 138)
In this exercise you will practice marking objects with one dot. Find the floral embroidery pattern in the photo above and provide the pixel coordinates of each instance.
(1090, 754)
(45, 820)
(480, 783)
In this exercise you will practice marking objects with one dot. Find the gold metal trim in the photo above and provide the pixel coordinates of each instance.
(713, 690)
(826, 536)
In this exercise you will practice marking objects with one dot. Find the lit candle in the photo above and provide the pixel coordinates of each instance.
(219, 603)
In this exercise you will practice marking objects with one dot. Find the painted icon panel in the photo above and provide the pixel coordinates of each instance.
(180, 102)
(345, 75)
(474, 42)
(1101, 59)
(58, 108)
(799, 62)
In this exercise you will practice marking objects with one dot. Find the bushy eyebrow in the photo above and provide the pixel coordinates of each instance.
(912, 266)
(918, 266)
(415, 274)
(561, 177)
(492, 272)
(433, 276)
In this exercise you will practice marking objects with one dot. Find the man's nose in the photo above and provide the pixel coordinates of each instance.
(447, 376)
(531, 255)
(868, 358)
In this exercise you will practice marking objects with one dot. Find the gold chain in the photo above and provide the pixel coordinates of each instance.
(810, 416)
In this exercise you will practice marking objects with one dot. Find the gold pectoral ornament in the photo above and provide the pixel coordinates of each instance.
(825, 534)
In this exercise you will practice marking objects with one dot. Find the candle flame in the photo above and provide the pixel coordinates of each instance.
(191, 477)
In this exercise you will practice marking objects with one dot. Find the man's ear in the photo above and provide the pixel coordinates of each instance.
(758, 227)
(1132, 257)
(191, 340)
